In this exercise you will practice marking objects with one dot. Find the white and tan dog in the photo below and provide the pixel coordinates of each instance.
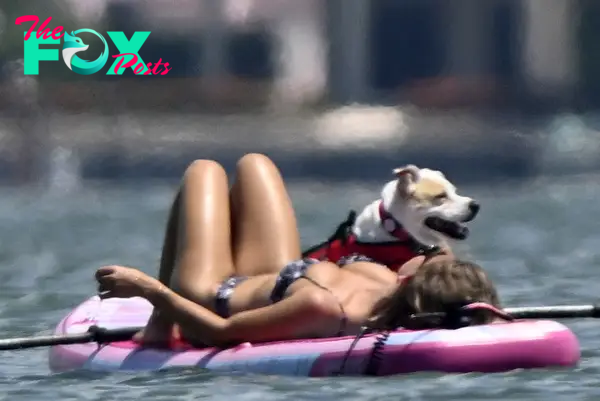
(417, 213)
(423, 202)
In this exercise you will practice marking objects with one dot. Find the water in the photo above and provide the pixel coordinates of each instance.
(539, 240)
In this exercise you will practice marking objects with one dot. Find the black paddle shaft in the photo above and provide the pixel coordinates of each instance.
(94, 334)
(102, 335)
(555, 312)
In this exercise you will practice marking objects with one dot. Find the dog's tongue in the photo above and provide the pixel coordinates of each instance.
(450, 228)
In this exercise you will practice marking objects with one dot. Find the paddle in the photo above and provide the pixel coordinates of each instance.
(555, 312)
(93, 334)
(102, 335)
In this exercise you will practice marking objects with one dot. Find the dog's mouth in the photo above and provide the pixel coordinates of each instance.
(449, 228)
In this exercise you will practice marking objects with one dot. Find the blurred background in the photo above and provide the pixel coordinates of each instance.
(331, 89)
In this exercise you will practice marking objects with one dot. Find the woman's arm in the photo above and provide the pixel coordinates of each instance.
(306, 313)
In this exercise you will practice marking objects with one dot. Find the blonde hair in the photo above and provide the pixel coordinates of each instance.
(437, 286)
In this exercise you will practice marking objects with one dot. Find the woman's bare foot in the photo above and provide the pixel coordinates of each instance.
(159, 332)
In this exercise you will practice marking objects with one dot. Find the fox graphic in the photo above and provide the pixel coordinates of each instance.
(73, 45)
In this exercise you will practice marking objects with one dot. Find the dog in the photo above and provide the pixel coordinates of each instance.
(422, 202)
(418, 213)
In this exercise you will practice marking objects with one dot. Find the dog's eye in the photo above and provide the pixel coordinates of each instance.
(441, 197)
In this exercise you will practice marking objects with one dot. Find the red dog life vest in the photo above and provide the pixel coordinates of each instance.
(393, 254)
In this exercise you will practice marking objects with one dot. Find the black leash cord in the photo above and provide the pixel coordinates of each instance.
(377, 354)
(374, 361)
(361, 333)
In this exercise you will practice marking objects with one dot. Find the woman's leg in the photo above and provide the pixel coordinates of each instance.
(265, 234)
(196, 254)
(203, 247)
(169, 248)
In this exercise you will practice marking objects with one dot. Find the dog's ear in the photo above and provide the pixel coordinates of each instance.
(410, 172)
(407, 176)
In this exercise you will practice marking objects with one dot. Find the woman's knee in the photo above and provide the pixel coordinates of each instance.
(255, 161)
(201, 168)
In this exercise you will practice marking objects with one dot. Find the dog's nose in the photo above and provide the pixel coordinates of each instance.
(473, 208)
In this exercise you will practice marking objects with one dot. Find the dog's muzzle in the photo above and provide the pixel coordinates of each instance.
(453, 229)
(473, 210)
(450, 228)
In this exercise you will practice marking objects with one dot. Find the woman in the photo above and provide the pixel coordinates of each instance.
(231, 272)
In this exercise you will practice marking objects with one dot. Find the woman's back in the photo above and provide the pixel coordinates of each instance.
(353, 290)
(356, 287)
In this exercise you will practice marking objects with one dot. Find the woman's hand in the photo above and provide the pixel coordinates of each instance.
(125, 282)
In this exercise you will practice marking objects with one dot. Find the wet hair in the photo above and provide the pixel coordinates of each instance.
(437, 286)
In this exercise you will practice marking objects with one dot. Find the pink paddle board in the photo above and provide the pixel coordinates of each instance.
(492, 348)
